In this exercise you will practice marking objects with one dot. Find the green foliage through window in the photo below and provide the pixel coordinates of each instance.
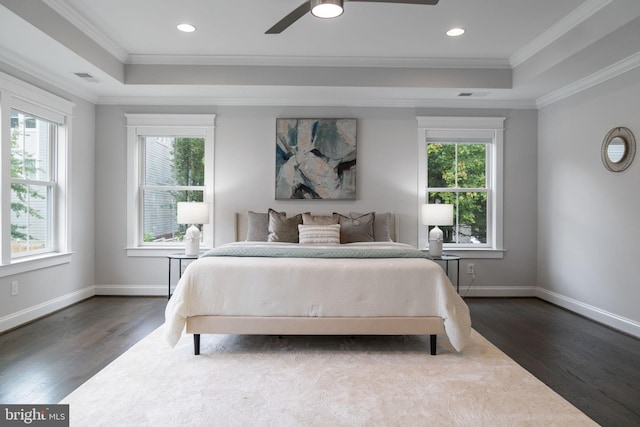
(174, 172)
(32, 141)
(456, 174)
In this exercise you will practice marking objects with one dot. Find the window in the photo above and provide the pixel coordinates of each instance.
(170, 160)
(461, 164)
(33, 184)
(34, 155)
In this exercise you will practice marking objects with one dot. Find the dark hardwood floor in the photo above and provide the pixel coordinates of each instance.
(44, 361)
(595, 368)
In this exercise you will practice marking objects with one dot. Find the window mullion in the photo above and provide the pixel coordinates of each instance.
(173, 187)
(456, 166)
(32, 182)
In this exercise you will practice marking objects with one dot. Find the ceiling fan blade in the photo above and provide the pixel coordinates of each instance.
(285, 22)
(425, 2)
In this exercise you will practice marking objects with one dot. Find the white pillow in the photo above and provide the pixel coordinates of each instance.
(326, 234)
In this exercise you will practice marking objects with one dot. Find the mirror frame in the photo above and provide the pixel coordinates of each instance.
(629, 153)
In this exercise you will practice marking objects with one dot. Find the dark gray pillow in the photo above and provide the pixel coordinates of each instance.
(283, 229)
(257, 227)
(381, 226)
(355, 228)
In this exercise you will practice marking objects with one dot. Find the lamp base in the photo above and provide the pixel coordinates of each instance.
(435, 248)
(192, 241)
(435, 241)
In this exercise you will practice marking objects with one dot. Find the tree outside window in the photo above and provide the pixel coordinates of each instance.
(32, 183)
(174, 171)
(457, 175)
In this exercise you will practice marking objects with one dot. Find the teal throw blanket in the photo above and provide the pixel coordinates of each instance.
(310, 252)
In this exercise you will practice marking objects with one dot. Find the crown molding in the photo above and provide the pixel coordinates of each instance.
(37, 71)
(80, 22)
(608, 73)
(559, 29)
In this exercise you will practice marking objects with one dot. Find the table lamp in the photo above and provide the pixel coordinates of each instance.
(192, 213)
(436, 214)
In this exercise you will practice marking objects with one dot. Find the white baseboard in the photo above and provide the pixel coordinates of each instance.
(32, 313)
(612, 320)
(131, 290)
(498, 291)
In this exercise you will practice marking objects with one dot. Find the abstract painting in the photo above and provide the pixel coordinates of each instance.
(316, 159)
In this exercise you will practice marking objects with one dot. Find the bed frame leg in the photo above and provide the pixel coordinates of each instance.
(196, 344)
(434, 339)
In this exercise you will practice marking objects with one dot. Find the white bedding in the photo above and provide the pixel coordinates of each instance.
(316, 287)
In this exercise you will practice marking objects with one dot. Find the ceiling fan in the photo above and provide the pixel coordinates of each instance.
(329, 9)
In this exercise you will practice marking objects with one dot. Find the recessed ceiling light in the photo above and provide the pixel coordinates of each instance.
(455, 32)
(186, 28)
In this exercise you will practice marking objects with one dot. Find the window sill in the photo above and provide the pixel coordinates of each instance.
(150, 252)
(479, 253)
(27, 264)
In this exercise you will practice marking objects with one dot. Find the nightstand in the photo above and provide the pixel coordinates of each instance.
(181, 258)
(446, 259)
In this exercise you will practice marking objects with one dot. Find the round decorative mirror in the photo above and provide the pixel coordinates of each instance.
(618, 149)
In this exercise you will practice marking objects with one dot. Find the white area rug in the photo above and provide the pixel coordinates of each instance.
(316, 381)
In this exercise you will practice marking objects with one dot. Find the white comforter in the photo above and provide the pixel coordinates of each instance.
(316, 287)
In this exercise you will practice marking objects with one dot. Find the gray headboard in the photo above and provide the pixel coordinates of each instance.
(241, 226)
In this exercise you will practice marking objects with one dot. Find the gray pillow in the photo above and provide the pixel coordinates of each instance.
(308, 219)
(381, 226)
(283, 229)
(257, 227)
(355, 228)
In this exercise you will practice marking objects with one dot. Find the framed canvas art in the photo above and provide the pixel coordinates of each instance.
(316, 159)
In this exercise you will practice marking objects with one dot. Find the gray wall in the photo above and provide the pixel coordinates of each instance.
(244, 180)
(570, 226)
(588, 216)
(46, 290)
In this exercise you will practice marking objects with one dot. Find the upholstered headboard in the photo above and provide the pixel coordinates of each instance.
(241, 226)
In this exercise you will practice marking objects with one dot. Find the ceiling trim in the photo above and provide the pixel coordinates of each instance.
(317, 102)
(36, 96)
(325, 61)
(80, 22)
(608, 73)
(41, 74)
(559, 29)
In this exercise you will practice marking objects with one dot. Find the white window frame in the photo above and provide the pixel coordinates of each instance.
(489, 130)
(19, 95)
(140, 126)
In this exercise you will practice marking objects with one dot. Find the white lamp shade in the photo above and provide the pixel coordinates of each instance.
(193, 213)
(437, 214)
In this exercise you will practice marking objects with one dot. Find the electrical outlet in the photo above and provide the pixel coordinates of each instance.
(14, 288)
(471, 268)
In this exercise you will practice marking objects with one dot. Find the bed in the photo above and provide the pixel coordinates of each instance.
(280, 288)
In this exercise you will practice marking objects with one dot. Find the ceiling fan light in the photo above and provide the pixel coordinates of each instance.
(326, 8)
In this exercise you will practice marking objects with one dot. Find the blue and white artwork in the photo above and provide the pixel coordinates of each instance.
(315, 159)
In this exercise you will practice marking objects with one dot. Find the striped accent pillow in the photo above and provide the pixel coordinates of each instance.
(326, 234)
